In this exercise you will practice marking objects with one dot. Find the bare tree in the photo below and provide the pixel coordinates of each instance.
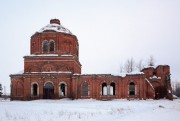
(140, 65)
(129, 65)
(121, 68)
(173, 86)
(151, 61)
(0, 89)
(176, 87)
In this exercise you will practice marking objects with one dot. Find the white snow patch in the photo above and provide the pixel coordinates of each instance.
(150, 66)
(76, 74)
(119, 74)
(43, 55)
(56, 28)
(175, 97)
(135, 73)
(66, 55)
(125, 74)
(90, 110)
(169, 91)
(155, 66)
(54, 72)
(150, 84)
(154, 77)
(159, 77)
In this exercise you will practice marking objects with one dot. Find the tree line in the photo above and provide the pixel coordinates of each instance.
(130, 65)
(176, 87)
(1, 89)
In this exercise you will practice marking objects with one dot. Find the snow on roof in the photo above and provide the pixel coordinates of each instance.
(135, 73)
(66, 55)
(56, 28)
(155, 66)
(125, 74)
(119, 74)
(43, 55)
(67, 72)
(150, 67)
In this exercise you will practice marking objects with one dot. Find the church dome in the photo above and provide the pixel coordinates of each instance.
(54, 39)
(55, 26)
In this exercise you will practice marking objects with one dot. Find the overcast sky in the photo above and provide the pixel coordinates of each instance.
(109, 32)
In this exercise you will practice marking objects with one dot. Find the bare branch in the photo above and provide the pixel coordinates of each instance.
(140, 65)
(129, 65)
(151, 61)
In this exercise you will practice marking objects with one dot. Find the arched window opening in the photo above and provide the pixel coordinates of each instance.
(112, 88)
(132, 89)
(35, 90)
(63, 90)
(52, 46)
(45, 46)
(104, 89)
(85, 89)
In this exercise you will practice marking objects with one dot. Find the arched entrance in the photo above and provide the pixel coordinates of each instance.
(48, 91)
(62, 89)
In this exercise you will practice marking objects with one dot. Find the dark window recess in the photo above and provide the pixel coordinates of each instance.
(35, 89)
(132, 89)
(51, 46)
(63, 90)
(85, 89)
(45, 46)
(48, 91)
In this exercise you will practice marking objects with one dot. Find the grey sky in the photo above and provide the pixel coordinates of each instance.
(109, 32)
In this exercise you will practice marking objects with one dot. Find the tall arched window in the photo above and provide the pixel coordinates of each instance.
(34, 89)
(62, 89)
(45, 46)
(52, 46)
(131, 89)
(104, 89)
(85, 89)
(112, 88)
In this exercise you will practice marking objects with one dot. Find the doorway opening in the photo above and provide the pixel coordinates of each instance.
(48, 91)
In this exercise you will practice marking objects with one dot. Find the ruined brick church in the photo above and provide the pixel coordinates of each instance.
(53, 71)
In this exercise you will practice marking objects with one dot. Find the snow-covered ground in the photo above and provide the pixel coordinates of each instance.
(90, 110)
